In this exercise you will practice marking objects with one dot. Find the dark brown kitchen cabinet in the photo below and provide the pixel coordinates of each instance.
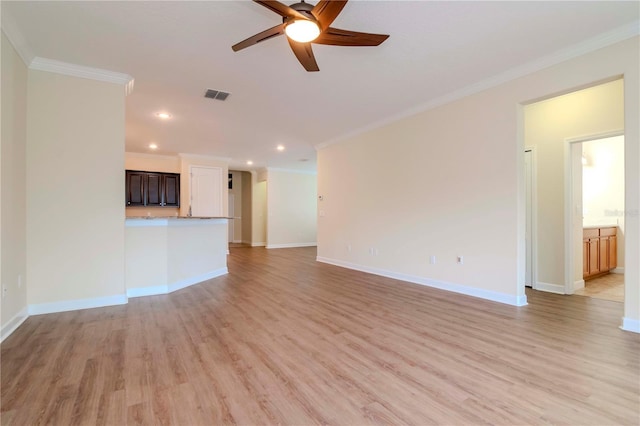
(152, 189)
(135, 188)
(171, 190)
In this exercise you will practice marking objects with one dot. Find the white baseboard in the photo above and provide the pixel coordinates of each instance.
(577, 285)
(178, 285)
(291, 245)
(263, 244)
(551, 288)
(147, 291)
(74, 305)
(618, 270)
(99, 302)
(14, 323)
(456, 288)
(629, 324)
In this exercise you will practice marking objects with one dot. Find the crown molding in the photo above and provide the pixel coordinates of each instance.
(15, 37)
(65, 68)
(598, 42)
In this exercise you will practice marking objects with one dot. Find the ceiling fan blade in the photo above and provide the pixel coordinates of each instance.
(260, 37)
(326, 11)
(304, 53)
(281, 9)
(337, 37)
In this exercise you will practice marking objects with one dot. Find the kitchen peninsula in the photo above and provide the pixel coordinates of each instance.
(165, 254)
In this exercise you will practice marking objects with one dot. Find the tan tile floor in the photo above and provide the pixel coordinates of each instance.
(608, 287)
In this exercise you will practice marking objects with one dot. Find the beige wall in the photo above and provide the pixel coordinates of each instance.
(165, 255)
(449, 181)
(75, 209)
(603, 186)
(291, 207)
(548, 125)
(151, 163)
(13, 188)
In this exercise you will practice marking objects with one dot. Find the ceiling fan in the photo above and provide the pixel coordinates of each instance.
(304, 23)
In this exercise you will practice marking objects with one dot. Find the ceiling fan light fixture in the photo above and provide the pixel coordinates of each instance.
(302, 30)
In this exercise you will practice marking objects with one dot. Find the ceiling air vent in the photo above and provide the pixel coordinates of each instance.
(216, 94)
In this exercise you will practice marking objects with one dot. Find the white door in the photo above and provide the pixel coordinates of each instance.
(206, 191)
(528, 178)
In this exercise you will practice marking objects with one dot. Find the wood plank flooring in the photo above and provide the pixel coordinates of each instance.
(283, 339)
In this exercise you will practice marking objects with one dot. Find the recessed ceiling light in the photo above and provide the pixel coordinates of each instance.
(153, 146)
(250, 163)
(280, 147)
(163, 115)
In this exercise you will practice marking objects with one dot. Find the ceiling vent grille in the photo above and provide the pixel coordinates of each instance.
(216, 94)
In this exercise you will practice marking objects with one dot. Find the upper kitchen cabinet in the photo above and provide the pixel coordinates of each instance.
(152, 189)
(135, 187)
(171, 190)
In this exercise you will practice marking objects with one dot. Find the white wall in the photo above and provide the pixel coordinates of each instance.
(450, 181)
(603, 186)
(291, 207)
(75, 208)
(548, 125)
(13, 188)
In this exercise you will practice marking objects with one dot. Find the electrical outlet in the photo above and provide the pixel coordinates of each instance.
(432, 260)
(460, 260)
(349, 248)
(4, 291)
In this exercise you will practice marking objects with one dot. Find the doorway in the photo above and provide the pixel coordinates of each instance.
(552, 229)
(597, 173)
(240, 208)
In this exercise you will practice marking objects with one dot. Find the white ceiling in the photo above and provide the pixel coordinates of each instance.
(176, 50)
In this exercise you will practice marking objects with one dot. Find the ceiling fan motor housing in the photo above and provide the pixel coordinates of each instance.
(303, 8)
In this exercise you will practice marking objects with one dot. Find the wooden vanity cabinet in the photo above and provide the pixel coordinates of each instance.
(599, 251)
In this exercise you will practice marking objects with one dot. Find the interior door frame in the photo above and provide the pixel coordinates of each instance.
(534, 218)
(571, 257)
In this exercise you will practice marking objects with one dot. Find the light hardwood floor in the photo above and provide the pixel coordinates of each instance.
(286, 340)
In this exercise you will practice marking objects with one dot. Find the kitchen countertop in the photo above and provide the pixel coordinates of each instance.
(599, 226)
